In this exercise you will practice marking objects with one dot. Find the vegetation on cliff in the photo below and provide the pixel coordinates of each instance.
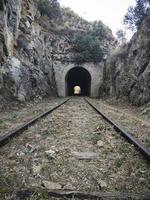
(136, 14)
(88, 39)
(88, 46)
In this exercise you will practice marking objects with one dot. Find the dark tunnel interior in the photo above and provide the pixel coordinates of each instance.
(81, 77)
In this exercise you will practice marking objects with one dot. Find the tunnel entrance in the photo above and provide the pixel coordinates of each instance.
(78, 76)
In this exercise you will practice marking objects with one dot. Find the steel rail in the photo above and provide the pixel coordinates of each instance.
(7, 136)
(126, 134)
(69, 194)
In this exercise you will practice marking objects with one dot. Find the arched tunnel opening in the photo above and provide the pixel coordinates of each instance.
(78, 76)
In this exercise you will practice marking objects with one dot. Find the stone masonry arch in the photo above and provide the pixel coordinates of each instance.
(95, 71)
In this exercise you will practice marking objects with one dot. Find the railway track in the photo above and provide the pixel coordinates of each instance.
(146, 153)
(8, 135)
(63, 192)
(126, 134)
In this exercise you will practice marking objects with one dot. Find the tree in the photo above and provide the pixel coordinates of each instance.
(98, 30)
(87, 48)
(51, 8)
(135, 15)
(121, 36)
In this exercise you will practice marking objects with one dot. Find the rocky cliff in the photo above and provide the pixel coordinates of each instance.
(26, 69)
(29, 46)
(127, 71)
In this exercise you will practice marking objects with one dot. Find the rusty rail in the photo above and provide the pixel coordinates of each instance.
(126, 134)
(7, 136)
(68, 194)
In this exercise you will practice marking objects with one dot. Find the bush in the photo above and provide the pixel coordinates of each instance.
(98, 31)
(51, 8)
(87, 46)
(135, 15)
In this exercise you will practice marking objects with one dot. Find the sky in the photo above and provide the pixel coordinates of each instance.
(110, 12)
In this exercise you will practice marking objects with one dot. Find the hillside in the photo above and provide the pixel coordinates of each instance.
(30, 44)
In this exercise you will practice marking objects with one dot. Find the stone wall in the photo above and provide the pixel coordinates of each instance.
(95, 70)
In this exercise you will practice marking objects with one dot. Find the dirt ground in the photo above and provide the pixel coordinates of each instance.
(73, 149)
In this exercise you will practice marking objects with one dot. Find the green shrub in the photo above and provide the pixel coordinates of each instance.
(98, 31)
(51, 8)
(87, 46)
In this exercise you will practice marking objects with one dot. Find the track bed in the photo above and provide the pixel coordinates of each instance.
(74, 149)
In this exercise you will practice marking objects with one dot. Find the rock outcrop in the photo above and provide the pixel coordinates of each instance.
(26, 69)
(127, 71)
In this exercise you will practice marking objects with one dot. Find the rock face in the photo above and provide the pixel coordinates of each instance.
(26, 69)
(127, 71)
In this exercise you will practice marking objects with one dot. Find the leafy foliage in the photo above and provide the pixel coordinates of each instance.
(135, 15)
(51, 8)
(88, 46)
(98, 30)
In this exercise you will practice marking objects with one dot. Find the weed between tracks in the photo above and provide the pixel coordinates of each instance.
(101, 129)
(2, 125)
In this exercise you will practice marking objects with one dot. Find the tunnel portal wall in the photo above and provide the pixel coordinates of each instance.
(61, 70)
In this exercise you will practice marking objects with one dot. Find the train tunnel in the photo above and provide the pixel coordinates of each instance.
(78, 76)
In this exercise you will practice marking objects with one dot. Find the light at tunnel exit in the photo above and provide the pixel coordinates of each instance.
(77, 90)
